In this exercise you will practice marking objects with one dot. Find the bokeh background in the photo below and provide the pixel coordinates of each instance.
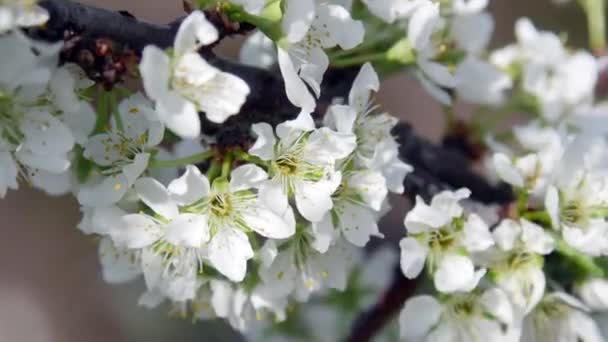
(50, 284)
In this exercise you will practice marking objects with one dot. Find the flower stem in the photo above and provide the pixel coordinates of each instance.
(113, 109)
(103, 114)
(358, 60)
(227, 165)
(584, 262)
(539, 216)
(596, 23)
(193, 159)
(246, 157)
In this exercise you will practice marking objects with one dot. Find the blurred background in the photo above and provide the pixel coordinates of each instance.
(51, 288)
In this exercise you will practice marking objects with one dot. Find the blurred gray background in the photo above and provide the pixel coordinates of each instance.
(50, 287)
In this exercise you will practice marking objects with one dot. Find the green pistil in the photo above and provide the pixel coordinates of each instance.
(221, 205)
(286, 165)
(572, 212)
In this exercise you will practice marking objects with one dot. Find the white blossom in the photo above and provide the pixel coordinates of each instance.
(391, 10)
(21, 13)
(302, 164)
(440, 237)
(357, 204)
(32, 138)
(309, 27)
(560, 318)
(576, 199)
(122, 152)
(301, 271)
(593, 293)
(376, 146)
(184, 83)
(516, 261)
(460, 318)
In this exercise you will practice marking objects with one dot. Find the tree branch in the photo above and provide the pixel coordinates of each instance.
(370, 322)
(438, 168)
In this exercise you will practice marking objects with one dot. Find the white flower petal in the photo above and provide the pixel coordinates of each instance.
(155, 71)
(342, 118)
(476, 236)
(323, 233)
(229, 251)
(190, 187)
(194, 31)
(422, 24)
(179, 114)
(358, 224)
(297, 18)
(246, 177)
(117, 265)
(345, 31)
(189, 230)
(313, 199)
(223, 97)
(136, 231)
(103, 193)
(296, 90)
(507, 171)
(552, 205)
(157, 197)
(367, 81)
(268, 223)
(413, 257)
(424, 217)
(506, 233)
(454, 273)
(535, 238)
(264, 145)
(419, 315)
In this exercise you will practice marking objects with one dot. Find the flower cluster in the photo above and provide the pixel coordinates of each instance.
(250, 230)
(536, 273)
(270, 223)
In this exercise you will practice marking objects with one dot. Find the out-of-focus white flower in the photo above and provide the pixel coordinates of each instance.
(302, 164)
(21, 13)
(184, 83)
(434, 76)
(118, 265)
(259, 51)
(560, 318)
(310, 27)
(391, 10)
(594, 293)
(558, 79)
(577, 199)
(460, 318)
(480, 82)
(534, 164)
(301, 271)
(516, 261)
(123, 152)
(376, 147)
(439, 236)
(357, 203)
(32, 139)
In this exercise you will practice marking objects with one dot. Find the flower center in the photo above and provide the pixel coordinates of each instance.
(286, 165)
(9, 119)
(221, 205)
(442, 239)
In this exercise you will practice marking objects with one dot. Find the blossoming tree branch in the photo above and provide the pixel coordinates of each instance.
(248, 190)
